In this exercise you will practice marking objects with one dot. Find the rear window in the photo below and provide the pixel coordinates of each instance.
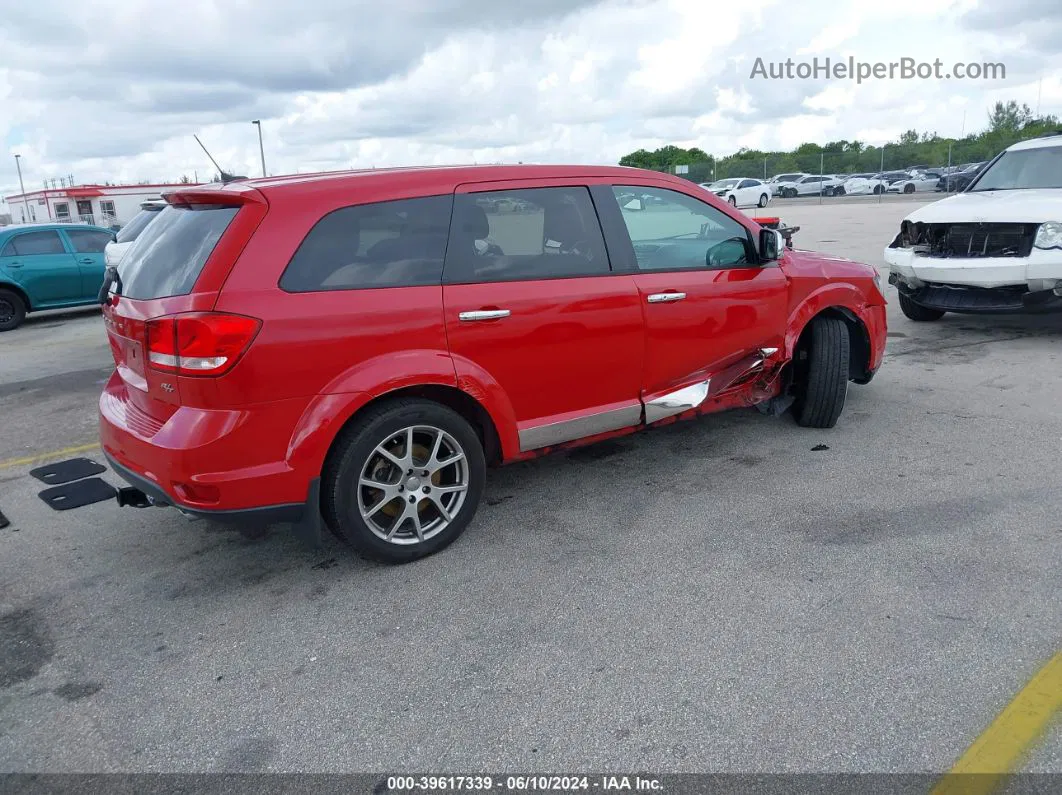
(132, 230)
(169, 256)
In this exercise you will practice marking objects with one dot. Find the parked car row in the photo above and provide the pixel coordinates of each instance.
(916, 179)
(356, 348)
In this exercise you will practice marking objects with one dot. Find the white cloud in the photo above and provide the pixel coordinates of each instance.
(341, 84)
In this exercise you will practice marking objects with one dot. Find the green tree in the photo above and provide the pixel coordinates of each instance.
(1009, 117)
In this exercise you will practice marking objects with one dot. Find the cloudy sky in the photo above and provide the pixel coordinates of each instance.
(115, 90)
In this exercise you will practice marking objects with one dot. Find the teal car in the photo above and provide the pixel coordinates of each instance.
(49, 266)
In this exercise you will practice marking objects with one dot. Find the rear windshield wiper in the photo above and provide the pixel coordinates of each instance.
(110, 278)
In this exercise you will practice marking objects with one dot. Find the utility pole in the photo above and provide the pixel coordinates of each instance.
(882, 191)
(822, 184)
(261, 149)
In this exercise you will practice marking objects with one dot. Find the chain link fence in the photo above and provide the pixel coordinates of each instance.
(893, 161)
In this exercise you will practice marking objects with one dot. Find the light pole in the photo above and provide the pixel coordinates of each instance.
(261, 150)
(21, 187)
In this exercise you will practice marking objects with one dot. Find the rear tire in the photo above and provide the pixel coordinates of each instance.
(417, 514)
(12, 310)
(763, 200)
(917, 312)
(821, 396)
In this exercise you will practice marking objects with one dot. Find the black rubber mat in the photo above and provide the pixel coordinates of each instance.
(3, 521)
(66, 471)
(74, 495)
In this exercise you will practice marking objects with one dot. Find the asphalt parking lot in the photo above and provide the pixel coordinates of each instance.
(715, 595)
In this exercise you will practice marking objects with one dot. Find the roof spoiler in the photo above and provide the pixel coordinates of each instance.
(233, 195)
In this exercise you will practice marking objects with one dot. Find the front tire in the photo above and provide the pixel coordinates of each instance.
(908, 188)
(733, 201)
(917, 312)
(824, 377)
(878, 190)
(12, 310)
(763, 200)
(404, 481)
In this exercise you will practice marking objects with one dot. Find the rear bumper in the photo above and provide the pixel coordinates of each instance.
(218, 463)
(265, 515)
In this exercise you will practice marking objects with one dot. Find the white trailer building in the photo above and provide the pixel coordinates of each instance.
(102, 205)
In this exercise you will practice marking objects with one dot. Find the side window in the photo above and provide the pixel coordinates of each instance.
(748, 183)
(673, 231)
(385, 244)
(535, 233)
(88, 241)
(9, 249)
(30, 243)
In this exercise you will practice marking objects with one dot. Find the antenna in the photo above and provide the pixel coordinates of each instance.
(225, 175)
(212, 160)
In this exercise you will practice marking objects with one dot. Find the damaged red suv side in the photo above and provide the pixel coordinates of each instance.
(359, 346)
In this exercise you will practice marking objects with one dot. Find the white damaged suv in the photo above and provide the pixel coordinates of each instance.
(995, 248)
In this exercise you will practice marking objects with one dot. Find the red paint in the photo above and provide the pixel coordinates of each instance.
(259, 433)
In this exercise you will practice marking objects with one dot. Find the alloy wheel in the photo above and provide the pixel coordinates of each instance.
(413, 485)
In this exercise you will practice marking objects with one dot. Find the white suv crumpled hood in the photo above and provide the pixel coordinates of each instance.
(998, 206)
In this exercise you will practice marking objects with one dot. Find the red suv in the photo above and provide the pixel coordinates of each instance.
(361, 345)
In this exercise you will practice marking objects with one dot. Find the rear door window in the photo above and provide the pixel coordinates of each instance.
(168, 257)
(384, 244)
(534, 233)
(88, 241)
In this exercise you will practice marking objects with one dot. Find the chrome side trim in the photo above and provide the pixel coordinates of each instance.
(676, 402)
(765, 352)
(566, 431)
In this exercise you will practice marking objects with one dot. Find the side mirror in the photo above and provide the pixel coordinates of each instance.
(771, 244)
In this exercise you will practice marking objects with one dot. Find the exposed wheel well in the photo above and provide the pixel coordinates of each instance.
(17, 291)
(451, 397)
(859, 338)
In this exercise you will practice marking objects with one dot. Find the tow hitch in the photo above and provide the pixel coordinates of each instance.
(133, 497)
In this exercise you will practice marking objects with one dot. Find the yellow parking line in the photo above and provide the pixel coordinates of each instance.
(33, 459)
(1004, 744)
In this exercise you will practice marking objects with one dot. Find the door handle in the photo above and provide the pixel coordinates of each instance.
(665, 298)
(485, 314)
(86, 260)
(14, 264)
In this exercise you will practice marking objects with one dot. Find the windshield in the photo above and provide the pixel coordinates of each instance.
(724, 183)
(787, 177)
(1024, 168)
(132, 230)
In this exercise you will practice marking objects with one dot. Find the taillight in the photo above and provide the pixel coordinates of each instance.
(199, 343)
